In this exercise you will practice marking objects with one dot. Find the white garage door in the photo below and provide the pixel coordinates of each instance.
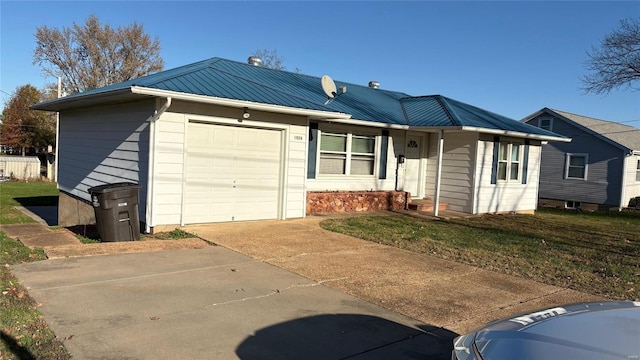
(233, 173)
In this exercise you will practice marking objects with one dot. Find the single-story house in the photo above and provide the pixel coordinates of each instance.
(599, 168)
(221, 140)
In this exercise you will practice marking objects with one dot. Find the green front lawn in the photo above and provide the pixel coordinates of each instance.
(20, 193)
(596, 253)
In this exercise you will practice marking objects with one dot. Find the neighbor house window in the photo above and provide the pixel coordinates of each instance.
(572, 204)
(509, 161)
(545, 123)
(638, 170)
(344, 153)
(576, 166)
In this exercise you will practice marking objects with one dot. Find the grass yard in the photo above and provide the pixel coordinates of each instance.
(596, 253)
(23, 332)
(20, 193)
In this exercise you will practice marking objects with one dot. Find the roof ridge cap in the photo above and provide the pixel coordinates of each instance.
(447, 110)
(310, 76)
(584, 116)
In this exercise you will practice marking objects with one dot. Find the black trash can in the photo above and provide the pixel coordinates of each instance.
(116, 210)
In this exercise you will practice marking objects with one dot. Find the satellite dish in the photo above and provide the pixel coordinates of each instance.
(329, 87)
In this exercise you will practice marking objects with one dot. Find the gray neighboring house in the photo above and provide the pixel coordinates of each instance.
(599, 168)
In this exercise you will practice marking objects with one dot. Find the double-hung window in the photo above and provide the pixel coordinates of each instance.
(509, 156)
(576, 166)
(345, 153)
(638, 170)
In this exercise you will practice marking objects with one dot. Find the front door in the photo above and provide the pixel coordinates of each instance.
(412, 167)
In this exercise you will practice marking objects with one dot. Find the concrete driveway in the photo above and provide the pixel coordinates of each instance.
(274, 289)
(214, 303)
(438, 292)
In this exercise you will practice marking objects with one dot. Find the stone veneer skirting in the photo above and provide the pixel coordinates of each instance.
(325, 202)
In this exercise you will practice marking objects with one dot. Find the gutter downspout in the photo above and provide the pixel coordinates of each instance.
(153, 129)
(436, 204)
(625, 156)
(57, 159)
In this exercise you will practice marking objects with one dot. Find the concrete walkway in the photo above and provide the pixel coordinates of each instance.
(442, 293)
(62, 243)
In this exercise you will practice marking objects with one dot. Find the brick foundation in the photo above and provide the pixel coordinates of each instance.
(325, 202)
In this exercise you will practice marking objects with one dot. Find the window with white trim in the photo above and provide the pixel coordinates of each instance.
(638, 170)
(569, 204)
(509, 161)
(345, 153)
(576, 167)
(545, 123)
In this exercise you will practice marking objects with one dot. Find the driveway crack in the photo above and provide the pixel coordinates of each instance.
(273, 292)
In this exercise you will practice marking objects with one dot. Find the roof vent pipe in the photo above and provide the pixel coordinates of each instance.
(374, 84)
(254, 60)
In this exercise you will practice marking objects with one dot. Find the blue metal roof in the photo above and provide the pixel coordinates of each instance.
(427, 111)
(240, 81)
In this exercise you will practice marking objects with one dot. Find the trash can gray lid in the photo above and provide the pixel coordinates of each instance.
(101, 189)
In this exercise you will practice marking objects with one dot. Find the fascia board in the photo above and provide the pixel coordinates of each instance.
(367, 123)
(517, 134)
(240, 103)
(69, 101)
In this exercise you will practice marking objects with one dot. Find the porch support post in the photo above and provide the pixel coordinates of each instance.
(436, 204)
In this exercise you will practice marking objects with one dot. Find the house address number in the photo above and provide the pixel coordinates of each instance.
(298, 137)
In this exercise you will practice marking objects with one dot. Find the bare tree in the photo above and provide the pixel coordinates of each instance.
(25, 128)
(617, 62)
(89, 56)
(270, 59)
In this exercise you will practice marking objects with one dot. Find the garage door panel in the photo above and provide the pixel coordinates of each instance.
(232, 173)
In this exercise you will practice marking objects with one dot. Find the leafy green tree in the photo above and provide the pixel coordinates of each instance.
(91, 55)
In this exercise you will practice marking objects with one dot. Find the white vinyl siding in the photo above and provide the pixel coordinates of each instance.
(168, 169)
(576, 166)
(631, 181)
(171, 156)
(456, 185)
(505, 196)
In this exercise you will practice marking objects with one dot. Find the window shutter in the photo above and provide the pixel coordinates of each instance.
(313, 150)
(525, 161)
(384, 147)
(494, 164)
